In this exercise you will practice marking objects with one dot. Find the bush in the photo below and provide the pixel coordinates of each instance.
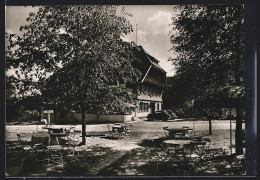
(28, 116)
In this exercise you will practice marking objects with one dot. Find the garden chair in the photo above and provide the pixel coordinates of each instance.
(22, 145)
(128, 128)
(70, 134)
(114, 132)
(27, 150)
(72, 142)
(201, 149)
(110, 131)
(72, 127)
(39, 147)
(122, 132)
(131, 127)
(190, 131)
(54, 153)
(77, 135)
(39, 152)
(165, 130)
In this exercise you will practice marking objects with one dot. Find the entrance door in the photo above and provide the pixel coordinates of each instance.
(152, 107)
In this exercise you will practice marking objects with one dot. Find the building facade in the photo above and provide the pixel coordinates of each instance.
(151, 85)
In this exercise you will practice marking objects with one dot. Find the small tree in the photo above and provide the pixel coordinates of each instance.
(75, 53)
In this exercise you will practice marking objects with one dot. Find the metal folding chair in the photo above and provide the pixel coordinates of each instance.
(202, 148)
(113, 132)
(166, 131)
(22, 144)
(26, 149)
(39, 152)
(72, 141)
(77, 135)
(190, 131)
(54, 153)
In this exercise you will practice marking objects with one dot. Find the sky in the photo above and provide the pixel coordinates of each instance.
(152, 28)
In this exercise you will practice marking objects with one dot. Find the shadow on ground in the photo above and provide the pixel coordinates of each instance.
(149, 159)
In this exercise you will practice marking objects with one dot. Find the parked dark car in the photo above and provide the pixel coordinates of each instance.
(159, 115)
(172, 114)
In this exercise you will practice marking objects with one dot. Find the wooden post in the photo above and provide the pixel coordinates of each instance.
(49, 118)
(42, 113)
(210, 127)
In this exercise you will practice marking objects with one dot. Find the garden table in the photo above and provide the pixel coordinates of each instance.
(38, 138)
(53, 129)
(175, 143)
(188, 146)
(117, 130)
(178, 145)
(173, 132)
(54, 138)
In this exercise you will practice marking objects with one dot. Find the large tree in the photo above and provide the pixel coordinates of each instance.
(75, 54)
(208, 44)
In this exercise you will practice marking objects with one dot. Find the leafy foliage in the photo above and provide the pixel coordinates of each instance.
(176, 97)
(208, 44)
(75, 50)
(74, 55)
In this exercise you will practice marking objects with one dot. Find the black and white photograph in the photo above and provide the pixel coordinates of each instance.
(125, 90)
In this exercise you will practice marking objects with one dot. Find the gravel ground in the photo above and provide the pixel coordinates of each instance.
(142, 130)
(129, 155)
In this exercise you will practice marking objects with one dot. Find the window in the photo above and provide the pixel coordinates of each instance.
(143, 107)
(146, 107)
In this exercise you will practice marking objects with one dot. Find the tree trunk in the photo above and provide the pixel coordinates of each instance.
(83, 118)
(238, 109)
(238, 135)
(210, 127)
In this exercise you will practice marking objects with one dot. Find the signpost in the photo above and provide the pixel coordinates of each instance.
(49, 116)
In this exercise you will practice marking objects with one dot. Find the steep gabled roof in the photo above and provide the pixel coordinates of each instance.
(146, 63)
(154, 62)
